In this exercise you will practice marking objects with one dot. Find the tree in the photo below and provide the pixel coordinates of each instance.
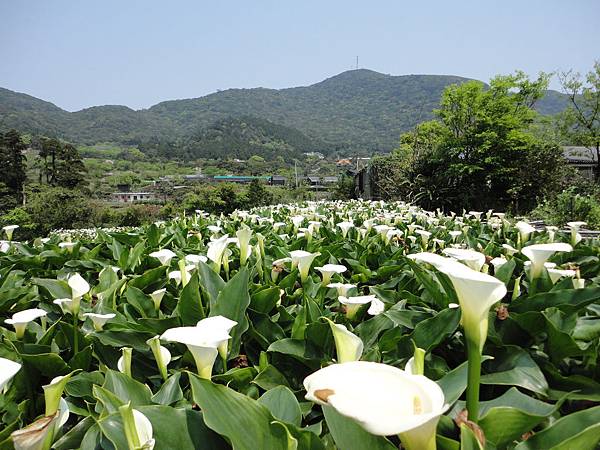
(257, 194)
(256, 165)
(70, 170)
(583, 115)
(56, 207)
(12, 162)
(481, 153)
(48, 149)
(61, 164)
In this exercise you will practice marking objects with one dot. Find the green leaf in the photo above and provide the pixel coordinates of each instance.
(211, 283)
(505, 271)
(140, 301)
(348, 435)
(149, 278)
(283, 405)
(568, 300)
(264, 301)
(232, 302)
(56, 288)
(577, 431)
(429, 333)
(106, 399)
(244, 422)
(49, 364)
(135, 255)
(127, 388)
(190, 307)
(509, 416)
(72, 439)
(454, 383)
(169, 392)
(298, 349)
(513, 366)
(270, 378)
(468, 441)
(172, 428)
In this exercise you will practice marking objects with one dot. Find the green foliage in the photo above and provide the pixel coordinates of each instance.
(540, 369)
(257, 194)
(244, 138)
(482, 153)
(227, 197)
(19, 216)
(358, 110)
(56, 207)
(344, 188)
(12, 173)
(581, 120)
(60, 164)
(568, 206)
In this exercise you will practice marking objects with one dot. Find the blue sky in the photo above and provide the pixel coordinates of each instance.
(139, 52)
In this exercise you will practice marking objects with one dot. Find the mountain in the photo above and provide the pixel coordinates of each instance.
(238, 137)
(358, 110)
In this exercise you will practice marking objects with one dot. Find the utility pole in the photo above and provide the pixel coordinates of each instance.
(296, 172)
(357, 63)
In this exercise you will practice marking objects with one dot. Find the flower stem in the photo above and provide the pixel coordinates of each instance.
(474, 373)
(75, 335)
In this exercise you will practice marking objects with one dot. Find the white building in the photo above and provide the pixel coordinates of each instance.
(132, 197)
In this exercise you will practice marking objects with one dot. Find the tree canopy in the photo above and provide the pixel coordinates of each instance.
(480, 152)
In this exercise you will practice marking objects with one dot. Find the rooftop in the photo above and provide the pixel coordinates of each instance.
(580, 154)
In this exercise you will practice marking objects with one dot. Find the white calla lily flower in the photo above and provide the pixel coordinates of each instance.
(498, 262)
(164, 256)
(376, 308)
(342, 288)
(353, 304)
(348, 346)
(471, 258)
(157, 297)
(557, 274)
(137, 427)
(175, 275)
(244, 235)
(525, 229)
(303, 260)
(345, 227)
(9, 230)
(66, 305)
(216, 249)
(382, 399)
(99, 319)
(79, 287)
(328, 270)
(477, 293)
(8, 369)
(219, 324)
(68, 245)
(202, 341)
(22, 318)
(575, 236)
(195, 259)
(538, 254)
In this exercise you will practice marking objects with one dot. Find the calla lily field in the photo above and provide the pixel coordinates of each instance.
(322, 325)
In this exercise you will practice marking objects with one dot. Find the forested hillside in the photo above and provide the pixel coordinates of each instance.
(237, 137)
(356, 110)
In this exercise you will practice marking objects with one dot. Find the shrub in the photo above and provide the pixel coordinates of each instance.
(19, 216)
(569, 206)
(54, 207)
